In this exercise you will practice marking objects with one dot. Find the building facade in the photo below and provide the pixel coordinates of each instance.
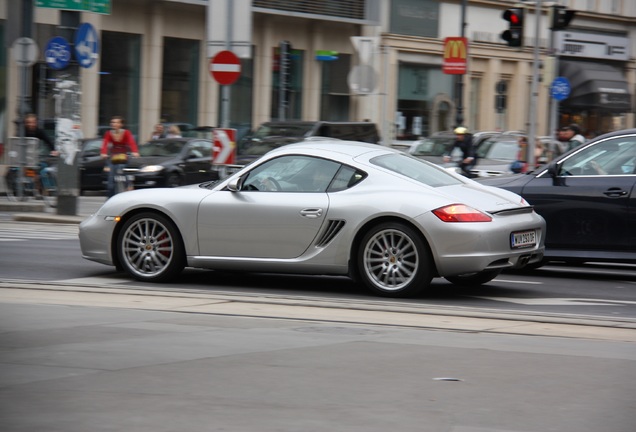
(383, 64)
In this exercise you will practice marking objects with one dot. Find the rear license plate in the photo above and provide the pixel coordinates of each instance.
(523, 239)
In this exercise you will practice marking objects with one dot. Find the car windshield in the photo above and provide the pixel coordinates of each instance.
(161, 148)
(416, 169)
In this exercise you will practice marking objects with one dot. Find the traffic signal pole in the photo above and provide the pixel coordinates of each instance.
(532, 116)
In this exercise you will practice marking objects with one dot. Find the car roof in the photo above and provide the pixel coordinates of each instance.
(328, 147)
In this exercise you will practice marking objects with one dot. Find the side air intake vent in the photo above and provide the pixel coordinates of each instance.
(333, 228)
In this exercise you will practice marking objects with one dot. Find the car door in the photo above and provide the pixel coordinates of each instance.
(260, 222)
(197, 161)
(590, 202)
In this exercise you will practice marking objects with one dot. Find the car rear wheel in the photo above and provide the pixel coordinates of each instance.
(150, 248)
(394, 261)
(473, 279)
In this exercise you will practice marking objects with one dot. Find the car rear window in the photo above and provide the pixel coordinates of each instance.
(416, 169)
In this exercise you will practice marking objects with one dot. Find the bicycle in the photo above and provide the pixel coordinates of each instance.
(123, 182)
(38, 182)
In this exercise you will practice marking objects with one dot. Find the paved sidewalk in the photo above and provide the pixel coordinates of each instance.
(36, 211)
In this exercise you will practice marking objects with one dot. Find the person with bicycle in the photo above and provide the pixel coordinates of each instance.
(464, 142)
(118, 142)
(31, 130)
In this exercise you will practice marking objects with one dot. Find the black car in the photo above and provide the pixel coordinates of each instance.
(171, 162)
(91, 165)
(588, 199)
(166, 162)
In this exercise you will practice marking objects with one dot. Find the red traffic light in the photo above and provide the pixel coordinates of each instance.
(514, 16)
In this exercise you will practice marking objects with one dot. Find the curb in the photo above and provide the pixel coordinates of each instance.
(47, 217)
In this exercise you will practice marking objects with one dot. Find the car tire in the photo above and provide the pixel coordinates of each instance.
(393, 260)
(150, 248)
(173, 180)
(474, 279)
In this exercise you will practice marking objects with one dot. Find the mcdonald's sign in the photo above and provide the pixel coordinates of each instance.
(455, 55)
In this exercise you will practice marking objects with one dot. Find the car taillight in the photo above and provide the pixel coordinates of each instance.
(460, 213)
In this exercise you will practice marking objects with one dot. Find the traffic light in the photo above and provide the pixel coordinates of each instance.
(560, 17)
(514, 34)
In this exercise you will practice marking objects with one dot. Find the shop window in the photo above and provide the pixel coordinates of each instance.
(420, 86)
(180, 81)
(119, 83)
(334, 95)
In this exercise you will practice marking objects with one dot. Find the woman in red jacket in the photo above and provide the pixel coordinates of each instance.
(118, 142)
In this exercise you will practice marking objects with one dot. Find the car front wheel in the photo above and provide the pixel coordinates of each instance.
(394, 261)
(150, 248)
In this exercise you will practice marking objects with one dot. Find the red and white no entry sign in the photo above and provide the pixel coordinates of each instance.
(225, 67)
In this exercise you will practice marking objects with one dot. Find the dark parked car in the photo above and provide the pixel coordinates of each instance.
(588, 199)
(171, 162)
(91, 165)
(164, 162)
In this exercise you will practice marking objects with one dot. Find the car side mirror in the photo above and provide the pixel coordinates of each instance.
(234, 185)
(553, 169)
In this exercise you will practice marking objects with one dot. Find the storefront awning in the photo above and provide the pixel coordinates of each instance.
(596, 86)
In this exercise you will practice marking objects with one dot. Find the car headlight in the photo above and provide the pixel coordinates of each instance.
(151, 169)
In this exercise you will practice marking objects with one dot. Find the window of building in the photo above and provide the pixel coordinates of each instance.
(180, 81)
(334, 95)
(119, 83)
(415, 17)
(421, 88)
(293, 107)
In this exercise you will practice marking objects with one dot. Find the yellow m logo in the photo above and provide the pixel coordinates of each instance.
(455, 48)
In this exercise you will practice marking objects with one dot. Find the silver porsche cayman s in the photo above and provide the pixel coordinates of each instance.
(386, 219)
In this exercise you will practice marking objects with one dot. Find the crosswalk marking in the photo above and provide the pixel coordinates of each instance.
(20, 234)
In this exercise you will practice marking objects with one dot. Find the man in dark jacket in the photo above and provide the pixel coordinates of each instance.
(463, 141)
(31, 130)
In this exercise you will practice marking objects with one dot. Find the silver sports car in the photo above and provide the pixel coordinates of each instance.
(386, 219)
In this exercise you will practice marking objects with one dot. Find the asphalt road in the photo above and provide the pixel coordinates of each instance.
(84, 348)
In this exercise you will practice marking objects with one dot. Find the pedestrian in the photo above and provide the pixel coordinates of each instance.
(173, 132)
(158, 132)
(118, 142)
(31, 130)
(521, 164)
(571, 136)
(464, 142)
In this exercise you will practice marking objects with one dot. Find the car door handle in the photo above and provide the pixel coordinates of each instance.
(312, 213)
(615, 192)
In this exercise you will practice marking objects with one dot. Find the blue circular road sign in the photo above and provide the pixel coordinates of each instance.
(560, 89)
(86, 45)
(57, 53)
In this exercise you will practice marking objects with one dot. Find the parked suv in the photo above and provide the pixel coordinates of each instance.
(271, 135)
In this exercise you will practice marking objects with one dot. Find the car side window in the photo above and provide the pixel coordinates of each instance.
(293, 173)
(614, 156)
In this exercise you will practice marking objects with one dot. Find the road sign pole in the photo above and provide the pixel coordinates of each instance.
(225, 90)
